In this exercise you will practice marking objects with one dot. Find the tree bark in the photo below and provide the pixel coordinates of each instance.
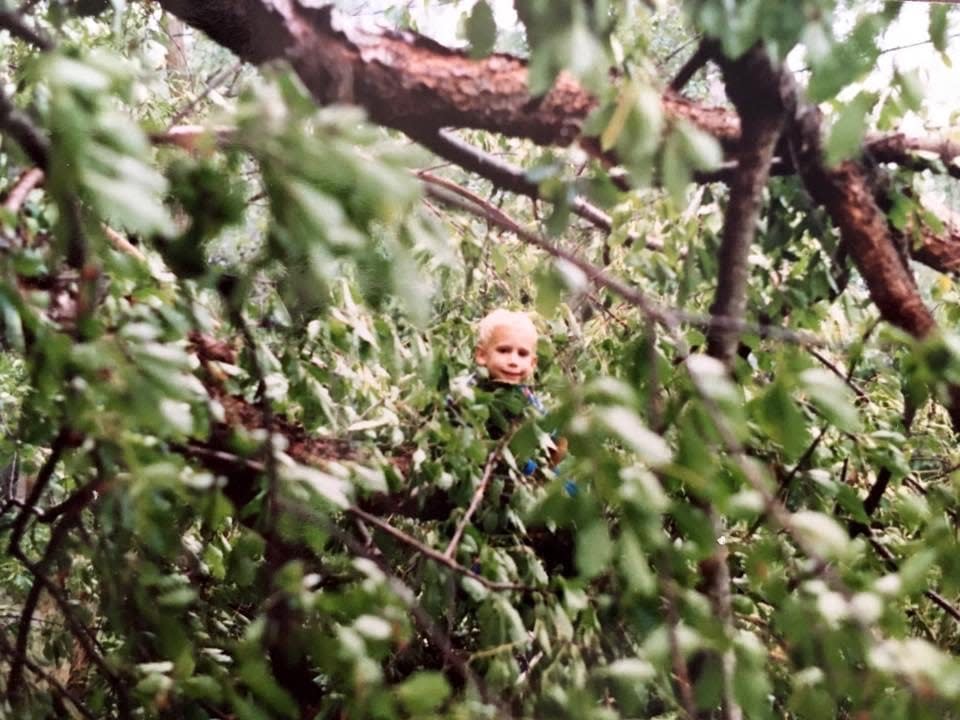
(754, 86)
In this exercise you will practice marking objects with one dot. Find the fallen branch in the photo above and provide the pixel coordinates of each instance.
(845, 192)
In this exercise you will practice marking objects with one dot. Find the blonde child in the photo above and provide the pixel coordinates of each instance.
(507, 348)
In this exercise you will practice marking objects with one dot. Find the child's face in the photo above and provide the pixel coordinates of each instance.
(510, 354)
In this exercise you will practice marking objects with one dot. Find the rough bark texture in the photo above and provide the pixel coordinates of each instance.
(939, 251)
(846, 194)
(938, 248)
(410, 83)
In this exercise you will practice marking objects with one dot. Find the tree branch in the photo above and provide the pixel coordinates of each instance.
(28, 180)
(754, 85)
(49, 679)
(491, 463)
(13, 22)
(17, 125)
(413, 84)
(503, 175)
(435, 555)
(905, 150)
(453, 195)
(845, 192)
(696, 61)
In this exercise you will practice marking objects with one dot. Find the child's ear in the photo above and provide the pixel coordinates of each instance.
(480, 356)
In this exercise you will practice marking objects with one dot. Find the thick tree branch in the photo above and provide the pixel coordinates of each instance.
(845, 193)
(754, 85)
(411, 83)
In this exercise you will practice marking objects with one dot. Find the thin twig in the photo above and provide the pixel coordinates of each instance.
(501, 173)
(211, 85)
(57, 537)
(843, 376)
(50, 680)
(935, 597)
(57, 448)
(436, 636)
(436, 555)
(680, 673)
(453, 195)
(266, 409)
(492, 460)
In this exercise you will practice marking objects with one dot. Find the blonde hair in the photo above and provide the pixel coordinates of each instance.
(499, 318)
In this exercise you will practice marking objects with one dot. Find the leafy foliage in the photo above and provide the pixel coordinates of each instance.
(237, 455)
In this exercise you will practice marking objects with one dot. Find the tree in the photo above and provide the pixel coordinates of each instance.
(244, 480)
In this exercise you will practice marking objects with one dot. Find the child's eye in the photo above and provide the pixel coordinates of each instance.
(523, 353)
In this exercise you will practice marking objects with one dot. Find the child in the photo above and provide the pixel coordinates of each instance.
(507, 348)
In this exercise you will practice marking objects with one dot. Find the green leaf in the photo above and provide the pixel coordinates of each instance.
(203, 687)
(618, 120)
(911, 88)
(633, 670)
(634, 565)
(424, 692)
(938, 25)
(846, 134)
(832, 397)
(176, 599)
(594, 549)
(821, 532)
(628, 427)
(779, 416)
(481, 30)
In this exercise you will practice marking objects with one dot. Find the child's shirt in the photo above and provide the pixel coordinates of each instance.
(503, 416)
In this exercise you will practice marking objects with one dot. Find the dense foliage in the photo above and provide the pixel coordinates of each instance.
(246, 475)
